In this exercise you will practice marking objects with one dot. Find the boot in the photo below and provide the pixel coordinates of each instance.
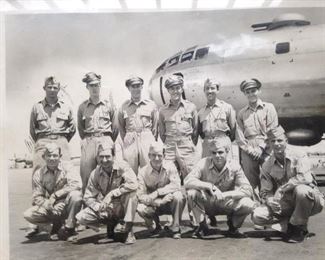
(233, 231)
(201, 231)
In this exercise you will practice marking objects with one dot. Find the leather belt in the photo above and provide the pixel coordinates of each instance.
(98, 134)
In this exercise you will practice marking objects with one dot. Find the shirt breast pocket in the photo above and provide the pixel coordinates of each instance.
(186, 119)
(105, 120)
(221, 122)
(62, 117)
(42, 121)
(145, 116)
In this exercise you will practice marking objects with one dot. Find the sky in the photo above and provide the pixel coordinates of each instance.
(115, 45)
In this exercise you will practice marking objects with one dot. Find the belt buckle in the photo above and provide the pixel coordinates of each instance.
(98, 134)
(53, 137)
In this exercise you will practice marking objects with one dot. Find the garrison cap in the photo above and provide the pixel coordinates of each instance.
(252, 83)
(51, 148)
(174, 79)
(133, 81)
(211, 82)
(220, 141)
(51, 80)
(156, 147)
(107, 145)
(275, 132)
(91, 78)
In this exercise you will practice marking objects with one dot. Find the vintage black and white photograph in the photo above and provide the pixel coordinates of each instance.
(162, 129)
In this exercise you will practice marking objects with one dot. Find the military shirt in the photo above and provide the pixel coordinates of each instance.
(61, 181)
(138, 117)
(100, 183)
(164, 182)
(255, 123)
(231, 177)
(177, 121)
(220, 117)
(296, 170)
(99, 118)
(47, 119)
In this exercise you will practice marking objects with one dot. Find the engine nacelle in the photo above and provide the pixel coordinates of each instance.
(303, 136)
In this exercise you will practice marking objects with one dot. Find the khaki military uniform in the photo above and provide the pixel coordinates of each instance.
(51, 124)
(216, 120)
(66, 185)
(99, 185)
(231, 177)
(252, 126)
(96, 124)
(165, 182)
(297, 204)
(138, 129)
(178, 131)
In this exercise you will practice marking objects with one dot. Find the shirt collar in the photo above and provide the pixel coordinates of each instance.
(218, 103)
(90, 102)
(142, 101)
(259, 103)
(114, 168)
(289, 154)
(211, 166)
(181, 103)
(45, 103)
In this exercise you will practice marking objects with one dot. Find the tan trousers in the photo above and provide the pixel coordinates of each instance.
(202, 203)
(181, 151)
(122, 208)
(174, 208)
(298, 205)
(39, 215)
(136, 149)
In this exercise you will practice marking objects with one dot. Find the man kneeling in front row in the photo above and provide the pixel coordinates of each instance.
(218, 186)
(110, 195)
(159, 191)
(288, 189)
(56, 195)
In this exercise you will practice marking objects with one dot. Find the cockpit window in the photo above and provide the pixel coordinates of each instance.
(187, 56)
(161, 67)
(201, 53)
(282, 47)
(173, 61)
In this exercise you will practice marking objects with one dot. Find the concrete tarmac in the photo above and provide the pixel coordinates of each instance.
(259, 244)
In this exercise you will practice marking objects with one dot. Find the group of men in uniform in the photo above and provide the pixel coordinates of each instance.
(161, 172)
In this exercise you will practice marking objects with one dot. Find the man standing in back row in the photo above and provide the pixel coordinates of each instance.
(137, 119)
(51, 121)
(97, 123)
(216, 118)
(178, 122)
(253, 122)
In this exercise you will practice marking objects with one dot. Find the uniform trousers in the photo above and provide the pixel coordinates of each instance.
(40, 215)
(136, 148)
(297, 206)
(202, 203)
(174, 208)
(181, 151)
(121, 208)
